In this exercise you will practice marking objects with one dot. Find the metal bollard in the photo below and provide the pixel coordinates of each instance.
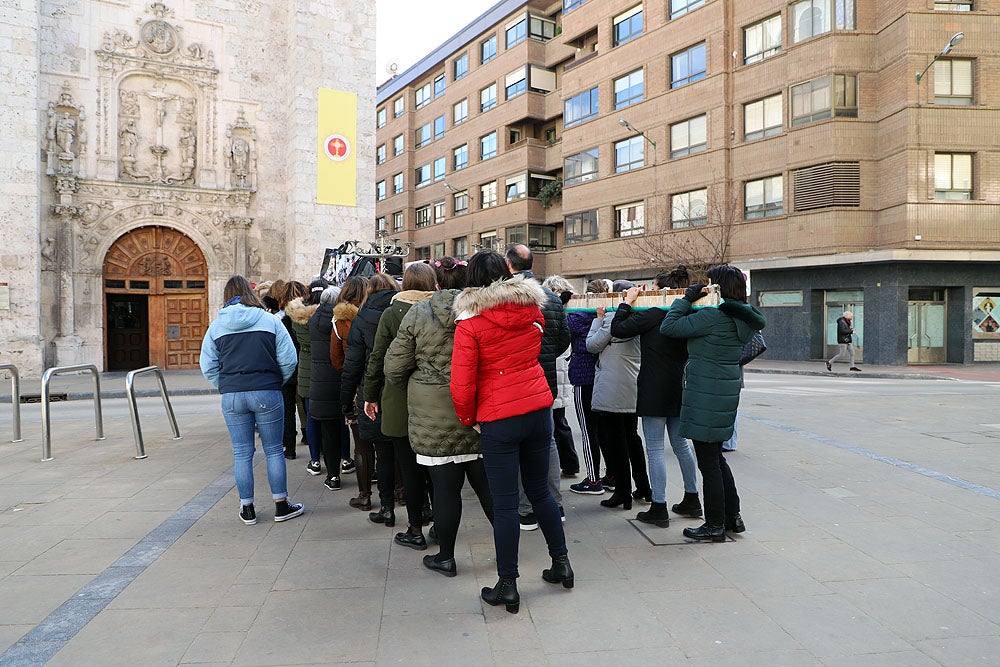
(15, 399)
(46, 417)
(133, 407)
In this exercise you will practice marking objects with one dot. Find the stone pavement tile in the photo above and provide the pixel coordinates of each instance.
(122, 524)
(317, 565)
(259, 574)
(8, 566)
(664, 568)
(716, 622)
(598, 616)
(947, 517)
(16, 489)
(78, 557)
(817, 507)
(9, 634)
(204, 541)
(831, 560)
(117, 636)
(890, 659)
(153, 499)
(829, 626)
(767, 521)
(25, 542)
(231, 619)
(65, 512)
(106, 489)
(914, 611)
(168, 584)
(963, 652)
(315, 627)
(429, 593)
(29, 599)
(523, 658)
(905, 540)
(641, 657)
(245, 595)
(434, 639)
(767, 574)
(508, 632)
(763, 657)
(327, 524)
(209, 647)
(969, 581)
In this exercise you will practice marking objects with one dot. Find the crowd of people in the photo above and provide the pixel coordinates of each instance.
(463, 371)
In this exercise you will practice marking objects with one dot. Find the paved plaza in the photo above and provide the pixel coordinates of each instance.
(872, 504)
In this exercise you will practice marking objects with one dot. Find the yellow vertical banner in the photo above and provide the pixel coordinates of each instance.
(336, 173)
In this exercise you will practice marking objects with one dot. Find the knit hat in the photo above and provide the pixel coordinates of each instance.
(622, 285)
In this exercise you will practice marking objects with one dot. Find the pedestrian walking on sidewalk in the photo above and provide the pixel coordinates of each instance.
(845, 338)
(248, 355)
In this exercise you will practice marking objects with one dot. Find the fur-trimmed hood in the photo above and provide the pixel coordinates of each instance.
(299, 312)
(412, 296)
(515, 294)
(344, 312)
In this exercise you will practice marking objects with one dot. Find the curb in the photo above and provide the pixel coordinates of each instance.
(140, 393)
(863, 374)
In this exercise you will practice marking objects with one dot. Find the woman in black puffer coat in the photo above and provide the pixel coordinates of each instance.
(324, 386)
(360, 342)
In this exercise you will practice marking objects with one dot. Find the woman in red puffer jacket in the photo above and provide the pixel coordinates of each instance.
(497, 382)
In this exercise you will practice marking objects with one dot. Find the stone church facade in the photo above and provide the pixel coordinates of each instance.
(149, 151)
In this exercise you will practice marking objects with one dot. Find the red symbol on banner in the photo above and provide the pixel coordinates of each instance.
(337, 147)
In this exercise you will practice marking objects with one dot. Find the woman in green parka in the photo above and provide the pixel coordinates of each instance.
(299, 310)
(712, 382)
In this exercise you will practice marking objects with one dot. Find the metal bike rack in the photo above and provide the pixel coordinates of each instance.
(46, 425)
(133, 408)
(15, 398)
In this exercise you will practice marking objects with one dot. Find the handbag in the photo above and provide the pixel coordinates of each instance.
(753, 348)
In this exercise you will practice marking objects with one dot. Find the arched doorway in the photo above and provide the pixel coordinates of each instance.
(155, 300)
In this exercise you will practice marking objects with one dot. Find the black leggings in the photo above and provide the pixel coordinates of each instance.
(414, 483)
(448, 480)
(331, 434)
(385, 466)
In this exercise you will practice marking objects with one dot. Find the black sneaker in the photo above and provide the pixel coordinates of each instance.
(562, 514)
(248, 514)
(608, 482)
(528, 521)
(284, 510)
(587, 486)
(333, 484)
(313, 468)
(347, 466)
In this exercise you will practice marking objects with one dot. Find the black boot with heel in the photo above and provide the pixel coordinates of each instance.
(561, 572)
(624, 501)
(504, 593)
(657, 515)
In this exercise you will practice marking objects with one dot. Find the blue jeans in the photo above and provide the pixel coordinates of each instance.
(520, 443)
(242, 410)
(652, 430)
(730, 445)
(314, 436)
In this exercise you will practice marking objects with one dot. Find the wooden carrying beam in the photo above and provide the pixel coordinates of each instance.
(648, 299)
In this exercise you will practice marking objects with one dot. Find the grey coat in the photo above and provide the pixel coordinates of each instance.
(617, 370)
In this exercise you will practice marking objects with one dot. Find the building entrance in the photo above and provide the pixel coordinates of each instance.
(837, 303)
(156, 300)
(926, 340)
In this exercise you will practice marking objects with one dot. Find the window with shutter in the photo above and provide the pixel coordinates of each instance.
(826, 185)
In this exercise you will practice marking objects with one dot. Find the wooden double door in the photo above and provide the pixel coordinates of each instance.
(156, 300)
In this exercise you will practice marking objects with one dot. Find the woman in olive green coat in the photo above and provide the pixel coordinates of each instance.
(299, 311)
(712, 381)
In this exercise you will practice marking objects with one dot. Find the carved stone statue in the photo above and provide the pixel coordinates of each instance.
(48, 252)
(187, 144)
(239, 151)
(129, 139)
(65, 133)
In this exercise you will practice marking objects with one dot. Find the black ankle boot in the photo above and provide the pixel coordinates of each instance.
(384, 516)
(690, 506)
(504, 593)
(656, 515)
(734, 523)
(623, 501)
(706, 532)
(561, 572)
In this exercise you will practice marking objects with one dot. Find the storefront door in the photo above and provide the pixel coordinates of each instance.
(926, 332)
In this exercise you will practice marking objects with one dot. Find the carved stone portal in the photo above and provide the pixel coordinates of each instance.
(157, 139)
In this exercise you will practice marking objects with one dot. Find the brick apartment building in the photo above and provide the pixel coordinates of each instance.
(792, 138)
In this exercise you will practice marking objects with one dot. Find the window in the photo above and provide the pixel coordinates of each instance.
(380, 191)
(689, 136)
(629, 154)
(488, 146)
(629, 89)
(580, 108)
(515, 235)
(517, 187)
(439, 85)
(569, 5)
(422, 252)
(489, 241)
(541, 29)
(630, 219)
(541, 237)
(461, 157)
(827, 96)
(397, 107)
(488, 50)
(689, 209)
(439, 216)
(953, 82)
(423, 217)
(682, 7)
(516, 82)
(397, 145)
(397, 221)
(953, 5)
(688, 66)
(439, 169)
(826, 185)
(461, 66)
(488, 97)
(438, 127)
(815, 17)
(517, 33)
(460, 112)
(953, 176)
(488, 195)
(580, 227)
(380, 224)
(515, 136)
(397, 183)
(789, 298)
(762, 118)
(380, 154)
(422, 175)
(422, 96)
(627, 26)
(763, 198)
(422, 135)
(762, 40)
(460, 202)
(580, 167)
(380, 117)
(461, 247)
(439, 249)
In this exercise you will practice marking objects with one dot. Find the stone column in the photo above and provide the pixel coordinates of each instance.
(241, 247)
(67, 343)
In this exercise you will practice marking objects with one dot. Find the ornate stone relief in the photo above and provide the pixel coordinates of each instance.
(66, 141)
(163, 149)
(241, 154)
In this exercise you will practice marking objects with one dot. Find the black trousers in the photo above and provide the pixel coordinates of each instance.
(623, 449)
(719, 496)
(331, 433)
(289, 439)
(448, 480)
(364, 458)
(414, 482)
(569, 462)
(385, 466)
(582, 397)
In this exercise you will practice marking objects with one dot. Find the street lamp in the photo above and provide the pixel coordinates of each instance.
(955, 40)
(628, 126)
